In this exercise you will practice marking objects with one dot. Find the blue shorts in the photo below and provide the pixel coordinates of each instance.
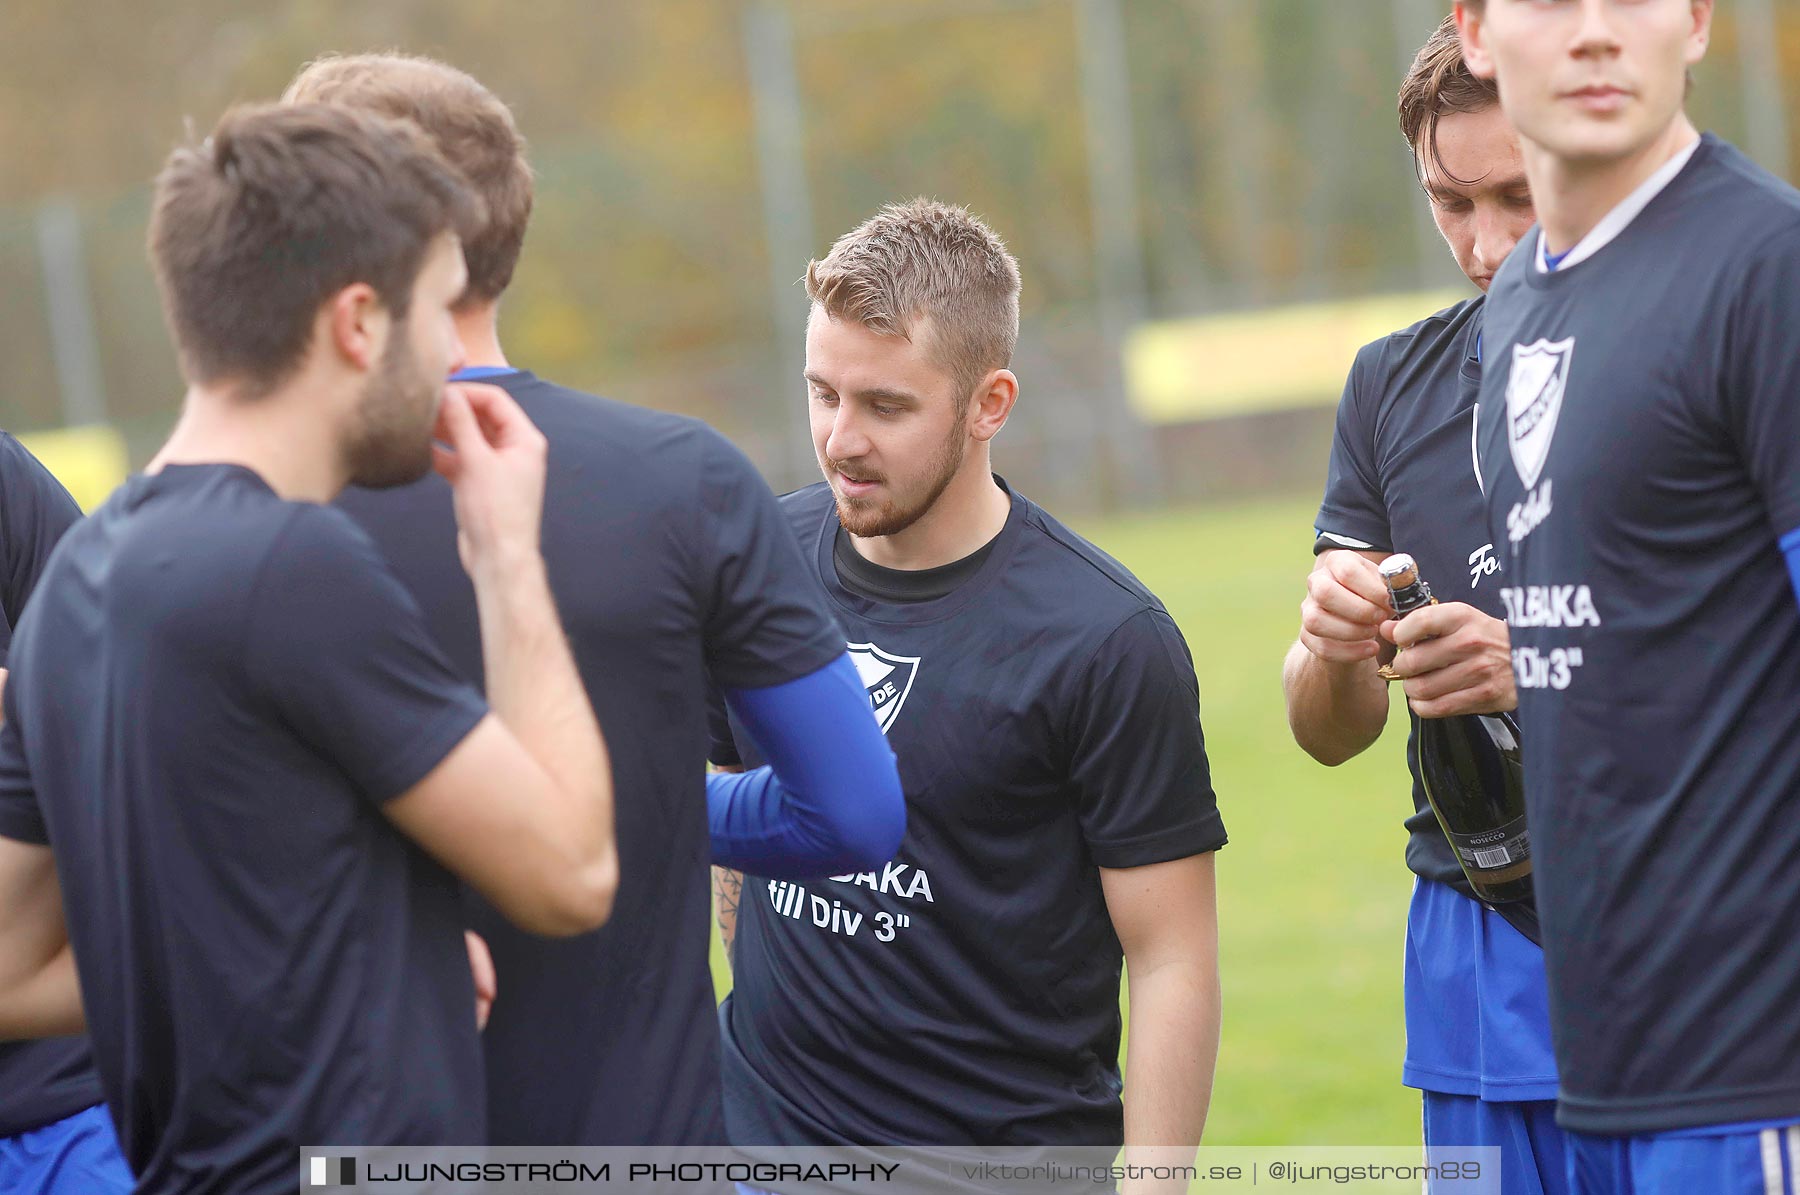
(1754, 1162)
(1532, 1148)
(77, 1156)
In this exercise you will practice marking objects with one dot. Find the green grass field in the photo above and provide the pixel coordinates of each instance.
(1312, 888)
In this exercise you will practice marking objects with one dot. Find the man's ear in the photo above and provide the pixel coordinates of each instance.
(1471, 30)
(992, 404)
(1701, 36)
(357, 325)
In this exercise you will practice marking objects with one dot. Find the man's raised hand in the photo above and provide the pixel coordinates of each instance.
(1346, 603)
(1455, 660)
(493, 457)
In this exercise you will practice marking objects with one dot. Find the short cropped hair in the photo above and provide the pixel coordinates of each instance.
(280, 208)
(470, 126)
(927, 260)
(1438, 84)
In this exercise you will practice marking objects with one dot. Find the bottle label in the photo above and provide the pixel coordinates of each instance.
(1503, 852)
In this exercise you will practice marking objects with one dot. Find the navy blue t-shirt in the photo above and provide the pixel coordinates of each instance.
(1046, 720)
(213, 691)
(43, 1081)
(1640, 440)
(1403, 479)
(670, 563)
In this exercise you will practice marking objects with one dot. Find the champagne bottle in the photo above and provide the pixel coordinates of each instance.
(1473, 773)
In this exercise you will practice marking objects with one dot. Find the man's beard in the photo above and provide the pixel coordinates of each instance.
(867, 518)
(389, 443)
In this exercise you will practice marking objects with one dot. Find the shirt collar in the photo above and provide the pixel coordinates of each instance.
(1620, 218)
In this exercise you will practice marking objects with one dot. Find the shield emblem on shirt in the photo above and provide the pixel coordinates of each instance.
(888, 678)
(1534, 397)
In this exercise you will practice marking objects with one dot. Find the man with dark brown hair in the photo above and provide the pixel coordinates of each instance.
(673, 572)
(258, 774)
(1402, 479)
(1639, 438)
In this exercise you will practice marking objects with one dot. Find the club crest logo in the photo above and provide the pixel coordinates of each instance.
(888, 678)
(1534, 397)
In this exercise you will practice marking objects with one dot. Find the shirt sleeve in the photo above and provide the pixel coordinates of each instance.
(20, 818)
(1354, 513)
(1762, 364)
(766, 620)
(722, 750)
(339, 648)
(831, 800)
(35, 510)
(1143, 788)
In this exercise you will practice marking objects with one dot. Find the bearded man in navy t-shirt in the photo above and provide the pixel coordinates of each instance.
(238, 780)
(1043, 707)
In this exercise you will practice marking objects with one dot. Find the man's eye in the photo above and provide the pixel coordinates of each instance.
(884, 410)
(825, 399)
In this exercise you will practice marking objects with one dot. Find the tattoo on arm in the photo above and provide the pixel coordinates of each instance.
(727, 886)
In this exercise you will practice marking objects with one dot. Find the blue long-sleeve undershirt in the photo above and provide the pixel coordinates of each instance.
(829, 800)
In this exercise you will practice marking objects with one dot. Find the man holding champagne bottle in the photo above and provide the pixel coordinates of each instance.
(1402, 478)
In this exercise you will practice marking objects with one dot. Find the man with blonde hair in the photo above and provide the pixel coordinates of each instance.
(1044, 709)
(1402, 478)
(673, 573)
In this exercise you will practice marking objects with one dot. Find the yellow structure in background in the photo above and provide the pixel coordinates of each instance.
(90, 461)
(1276, 359)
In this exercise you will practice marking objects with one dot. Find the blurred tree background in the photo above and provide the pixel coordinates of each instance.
(1146, 159)
(1153, 163)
